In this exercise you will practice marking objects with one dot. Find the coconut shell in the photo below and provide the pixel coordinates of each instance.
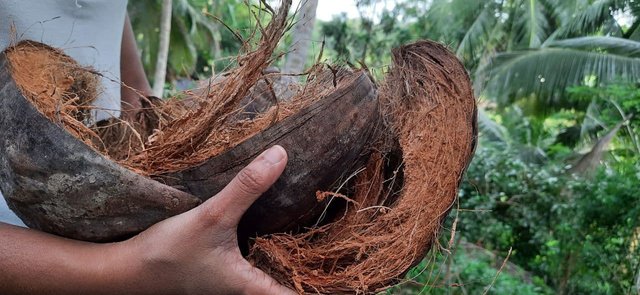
(325, 141)
(56, 183)
(60, 184)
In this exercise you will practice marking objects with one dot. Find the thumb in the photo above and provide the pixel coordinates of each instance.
(247, 186)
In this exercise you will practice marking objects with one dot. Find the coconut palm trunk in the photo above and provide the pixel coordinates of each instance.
(163, 51)
(301, 38)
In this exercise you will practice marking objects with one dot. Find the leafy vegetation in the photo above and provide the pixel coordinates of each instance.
(577, 233)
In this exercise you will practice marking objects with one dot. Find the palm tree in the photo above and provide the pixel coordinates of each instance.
(516, 48)
(538, 48)
(194, 33)
(163, 52)
(301, 37)
(526, 54)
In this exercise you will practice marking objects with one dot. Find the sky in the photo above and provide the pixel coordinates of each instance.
(328, 8)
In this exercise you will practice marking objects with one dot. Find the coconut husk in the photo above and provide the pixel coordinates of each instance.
(373, 171)
(190, 140)
(49, 173)
(301, 124)
(403, 195)
(68, 100)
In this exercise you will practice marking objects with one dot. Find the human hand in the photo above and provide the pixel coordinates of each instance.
(197, 252)
(193, 253)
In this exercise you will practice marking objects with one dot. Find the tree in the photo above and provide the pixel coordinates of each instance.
(536, 49)
(523, 49)
(528, 54)
(301, 37)
(196, 37)
(163, 54)
(558, 79)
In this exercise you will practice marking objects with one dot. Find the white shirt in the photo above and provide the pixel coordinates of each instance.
(90, 31)
(6, 215)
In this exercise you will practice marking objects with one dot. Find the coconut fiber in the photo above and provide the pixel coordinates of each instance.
(399, 150)
(405, 191)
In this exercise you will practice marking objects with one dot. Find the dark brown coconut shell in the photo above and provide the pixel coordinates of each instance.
(60, 185)
(56, 183)
(325, 142)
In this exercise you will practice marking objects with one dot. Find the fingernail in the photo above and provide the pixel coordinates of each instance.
(274, 155)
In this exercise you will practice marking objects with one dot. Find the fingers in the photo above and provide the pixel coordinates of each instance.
(247, 186)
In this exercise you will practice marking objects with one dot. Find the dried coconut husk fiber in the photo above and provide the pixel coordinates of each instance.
(431, 112)
(413, 136)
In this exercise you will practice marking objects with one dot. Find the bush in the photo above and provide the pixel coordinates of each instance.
(471, 271)
(579, 234)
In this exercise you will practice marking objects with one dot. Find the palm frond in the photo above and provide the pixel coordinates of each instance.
(547, 72)
(533, 27)
(589, 19)
(591, 160)
(613, 45)
(561, 10)
(491, 129)
(477, 33)
(449, 20)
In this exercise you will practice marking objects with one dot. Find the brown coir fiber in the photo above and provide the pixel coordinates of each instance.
(190, 140)
(431, 112)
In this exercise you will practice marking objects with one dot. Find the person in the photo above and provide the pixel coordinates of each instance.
(192, 253)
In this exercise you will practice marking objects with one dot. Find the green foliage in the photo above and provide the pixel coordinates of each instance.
(515, 49)
(609, 105)
(603, 245)
(579, 234)
(470, 271)
(355, 41)
(517, 195)
(561, 50)
(547, 72)
(199, 42)
(575, 234)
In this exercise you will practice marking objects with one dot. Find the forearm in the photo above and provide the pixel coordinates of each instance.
(33, 262)
(195, 252)
(134, 79)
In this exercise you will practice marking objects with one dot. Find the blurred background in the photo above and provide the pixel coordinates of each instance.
(551, 202)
